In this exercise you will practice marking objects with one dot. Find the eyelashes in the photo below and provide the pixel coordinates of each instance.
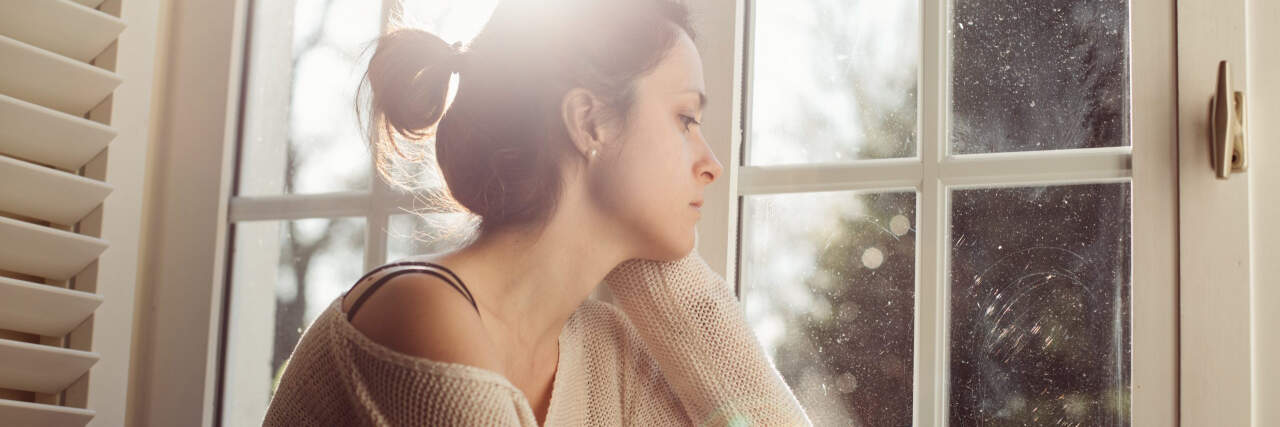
(689, 121)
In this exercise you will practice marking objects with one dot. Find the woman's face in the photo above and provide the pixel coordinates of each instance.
(658, 169)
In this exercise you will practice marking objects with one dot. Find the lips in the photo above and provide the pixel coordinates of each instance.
(697, 204)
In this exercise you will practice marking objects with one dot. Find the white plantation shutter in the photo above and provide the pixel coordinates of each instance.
(55, 105)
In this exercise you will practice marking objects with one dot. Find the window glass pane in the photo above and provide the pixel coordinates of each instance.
(285, 273)
(833, 80)
(828, 285)
(1040, 288)
(420, 234)
(1039, 75)
(301, 134)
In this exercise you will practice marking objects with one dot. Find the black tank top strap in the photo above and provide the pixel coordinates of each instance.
(409, 267)
(421, 264)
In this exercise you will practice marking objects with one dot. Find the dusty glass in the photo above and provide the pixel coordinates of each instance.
(1031, 75)
(1040, 305)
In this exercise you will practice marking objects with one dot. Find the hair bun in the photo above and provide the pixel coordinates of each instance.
(409, 80)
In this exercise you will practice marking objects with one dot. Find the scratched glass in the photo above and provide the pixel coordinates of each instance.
(828, 285)
(833, 81)
(1039, 75)
(1040, 306)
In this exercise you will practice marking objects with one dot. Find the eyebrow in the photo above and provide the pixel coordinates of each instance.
(702, 97)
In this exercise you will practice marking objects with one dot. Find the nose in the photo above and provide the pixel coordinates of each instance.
(709, 168)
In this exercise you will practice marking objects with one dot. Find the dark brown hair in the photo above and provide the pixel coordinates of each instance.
(501, 142)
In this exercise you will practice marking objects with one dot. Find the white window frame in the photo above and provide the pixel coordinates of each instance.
(936, 172)
(199, 59)
(177, 369)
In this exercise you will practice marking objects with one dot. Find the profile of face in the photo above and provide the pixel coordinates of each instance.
(650, 174)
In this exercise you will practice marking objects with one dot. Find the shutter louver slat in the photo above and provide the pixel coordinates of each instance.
(90, 3)
(42, 135)
(45, 252)
(41, 368)
(60, 26)
(45, 78)
(46, 193)
(36, 414)
(42, 309)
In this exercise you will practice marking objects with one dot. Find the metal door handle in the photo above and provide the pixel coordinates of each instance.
(1227, 127)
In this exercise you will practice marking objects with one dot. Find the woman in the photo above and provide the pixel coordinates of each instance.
(574, 136)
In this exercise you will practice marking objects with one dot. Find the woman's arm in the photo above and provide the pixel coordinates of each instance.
(690, 320)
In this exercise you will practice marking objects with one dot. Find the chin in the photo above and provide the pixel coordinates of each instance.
(688, 241)
(667, 242)
(672, 252)
(672, 249)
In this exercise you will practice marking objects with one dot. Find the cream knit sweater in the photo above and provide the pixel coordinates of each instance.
(675, 350)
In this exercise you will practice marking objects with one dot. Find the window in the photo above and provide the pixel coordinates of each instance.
(936, 200)
(941, 235)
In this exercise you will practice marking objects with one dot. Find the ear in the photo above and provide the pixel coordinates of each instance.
(581, 112)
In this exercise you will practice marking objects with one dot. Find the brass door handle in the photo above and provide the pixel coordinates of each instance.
(1227, 140)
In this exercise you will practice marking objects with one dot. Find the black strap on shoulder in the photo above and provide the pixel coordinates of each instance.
(404, 263)
(420, 264)
(413, 267)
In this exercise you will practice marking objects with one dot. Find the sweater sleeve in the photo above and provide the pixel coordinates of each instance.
(695, 329)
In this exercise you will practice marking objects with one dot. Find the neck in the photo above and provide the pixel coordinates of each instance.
(530, 283)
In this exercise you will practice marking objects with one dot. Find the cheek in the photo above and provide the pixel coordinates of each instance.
(641, 189)
(653, 216)
(651, 168)
(646, 188)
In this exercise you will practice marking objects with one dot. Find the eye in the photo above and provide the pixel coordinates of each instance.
(689, 121)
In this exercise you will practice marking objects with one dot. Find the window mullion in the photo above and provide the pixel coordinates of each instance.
(930, 373)
(1023, 168)
(1057, 166)
(880, 175)
(291, 207)
(375, 250)
(382, 202)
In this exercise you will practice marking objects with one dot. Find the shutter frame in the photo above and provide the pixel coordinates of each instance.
(56, 105)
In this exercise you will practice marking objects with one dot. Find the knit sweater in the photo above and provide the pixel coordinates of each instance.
(674, 350)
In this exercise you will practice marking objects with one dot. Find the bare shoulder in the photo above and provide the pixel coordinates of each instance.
(423, 316)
